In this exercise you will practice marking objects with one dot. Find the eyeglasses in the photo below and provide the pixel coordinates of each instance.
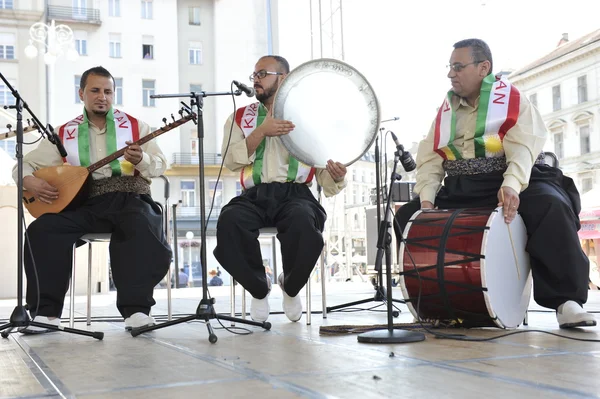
(459, 67)
(262, 74)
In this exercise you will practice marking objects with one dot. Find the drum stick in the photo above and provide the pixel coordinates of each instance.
(512, 245)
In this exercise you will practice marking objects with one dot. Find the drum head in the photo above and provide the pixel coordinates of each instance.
(508, 290)
(334, 109)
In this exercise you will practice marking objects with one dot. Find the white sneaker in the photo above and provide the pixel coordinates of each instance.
(259, 308)
(292, 306)
(40, 330)
(570, 314)
(138, 320)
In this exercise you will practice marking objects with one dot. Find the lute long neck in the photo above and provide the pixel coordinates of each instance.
(143, 140)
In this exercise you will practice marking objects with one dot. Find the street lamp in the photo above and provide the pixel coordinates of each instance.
(59, 38)
(190, 235)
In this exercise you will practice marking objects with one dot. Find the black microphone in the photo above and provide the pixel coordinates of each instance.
(408, 163)
(248, 90)
(54, 139)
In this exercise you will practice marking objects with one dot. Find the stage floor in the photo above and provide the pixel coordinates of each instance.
(293, 359)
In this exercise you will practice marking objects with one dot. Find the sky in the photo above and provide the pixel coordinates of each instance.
(403, 47)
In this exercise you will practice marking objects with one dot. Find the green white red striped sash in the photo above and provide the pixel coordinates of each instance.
(120, 127)
(249, 118)
(498, 112)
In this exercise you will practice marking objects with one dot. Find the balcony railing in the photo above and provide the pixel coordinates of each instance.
(193, 212)
(74, 14)
(187, 158)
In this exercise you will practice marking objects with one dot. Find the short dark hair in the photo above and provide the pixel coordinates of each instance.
(99, 71)
(480, 51)
(283, 63)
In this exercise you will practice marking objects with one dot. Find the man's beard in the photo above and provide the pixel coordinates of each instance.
(99, 113)
(266, 94)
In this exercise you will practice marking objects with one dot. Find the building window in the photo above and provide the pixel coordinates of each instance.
(196, 88)
(148, 47)
(114, 45)
(146, 9)
(148, 51)
(533, 99)
(118, 91)
(356, 222)
(114, 8)
(80, 9)
(7, 46)
(148, 90)
(559, 148)
(584, 139)
(6, 97)
(77, 82)
(81, 42)
(7, 4)
(9, 146)
(215, 191)
(556, 98)
(195, 53)
(194, 15)
(188, 193)
(586, 184)
(582, 89)
(194, 142)
(238, 188)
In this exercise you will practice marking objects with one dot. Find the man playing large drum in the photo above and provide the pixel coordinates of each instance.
(484, 143)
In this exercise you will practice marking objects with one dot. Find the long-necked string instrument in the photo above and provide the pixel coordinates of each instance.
(512, 245)
(71, 181)
(12, 133)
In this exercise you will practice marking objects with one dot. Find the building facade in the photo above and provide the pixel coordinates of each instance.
(565, 87)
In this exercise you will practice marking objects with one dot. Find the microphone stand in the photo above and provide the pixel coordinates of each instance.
(205, 310)
(380, 291)
(384, 240)
(19, 316)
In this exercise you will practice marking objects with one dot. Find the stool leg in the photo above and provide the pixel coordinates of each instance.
(72, 291)
(323, 296)
(243, 303)
(232, 296)
(89, 289)
(308, 300)
(169, 306)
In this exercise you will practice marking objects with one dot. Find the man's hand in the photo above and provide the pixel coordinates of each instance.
(426, 205)
(275, 127)
(509, 200)
(41, 190)
(133, 153)
(336, 170)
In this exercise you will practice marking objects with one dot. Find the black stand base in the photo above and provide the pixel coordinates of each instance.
(391, 337)
(206, 312)
(20, 318)
(380, 296)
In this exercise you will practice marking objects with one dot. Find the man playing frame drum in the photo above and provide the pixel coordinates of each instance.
(275, 193)
(484, 143)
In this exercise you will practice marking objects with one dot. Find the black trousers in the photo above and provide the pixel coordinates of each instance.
(299, 219)
(550, 209)
(139, 253)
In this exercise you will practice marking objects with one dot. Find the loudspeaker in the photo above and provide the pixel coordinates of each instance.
(402, 191)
